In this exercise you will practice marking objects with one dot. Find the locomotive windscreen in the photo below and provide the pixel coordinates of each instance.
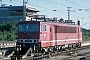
(28, 28)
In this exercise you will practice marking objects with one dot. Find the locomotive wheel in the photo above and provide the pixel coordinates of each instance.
(50, 49)
(43, 50)
(73, 45)
(69, 47)
(54, 48)
(79, 45)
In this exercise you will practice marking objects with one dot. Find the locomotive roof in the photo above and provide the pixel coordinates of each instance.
(54, 23)
(26, 22)
(43, 19)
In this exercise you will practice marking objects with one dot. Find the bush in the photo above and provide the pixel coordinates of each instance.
(8, 31)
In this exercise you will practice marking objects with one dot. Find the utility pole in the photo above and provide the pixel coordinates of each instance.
(69, 12)
(24, 10)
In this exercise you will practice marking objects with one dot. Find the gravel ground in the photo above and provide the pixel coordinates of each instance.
(84, 43)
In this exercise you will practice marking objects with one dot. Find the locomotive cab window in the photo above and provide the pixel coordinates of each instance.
(28, 27)
(44, 27)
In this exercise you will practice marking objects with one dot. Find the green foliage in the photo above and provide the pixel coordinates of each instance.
(86, 34)
(8, 31)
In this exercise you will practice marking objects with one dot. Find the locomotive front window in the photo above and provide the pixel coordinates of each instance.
(28, 27)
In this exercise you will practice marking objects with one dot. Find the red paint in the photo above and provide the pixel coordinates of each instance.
(57, 36)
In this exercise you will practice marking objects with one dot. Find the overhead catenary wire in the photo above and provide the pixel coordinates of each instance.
(12, 1)
(83, 7)
(75, 3)
(49, 9)
(55, 7)
(76, 9)
(15, 1)
(54, 3)
(58, 3)
(33, 4)
(66, 5)
(46, 8)
(42, 7)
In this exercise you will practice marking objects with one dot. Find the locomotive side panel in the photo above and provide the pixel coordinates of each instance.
(79, 34)
(66, 35)
(72, 37)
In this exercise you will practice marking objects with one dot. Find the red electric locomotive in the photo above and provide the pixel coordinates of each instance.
(45, 35)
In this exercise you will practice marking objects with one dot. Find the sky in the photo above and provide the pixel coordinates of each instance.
(80, 9)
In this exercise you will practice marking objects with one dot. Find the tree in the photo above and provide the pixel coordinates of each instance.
(8, 31)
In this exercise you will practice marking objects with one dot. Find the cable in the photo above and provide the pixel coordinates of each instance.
(57, 3)
(42, 7)
(62, 4)
(55, 6)
(51, 10)
(62, 12)
(54, 3)
(74, 3)
(77, 5)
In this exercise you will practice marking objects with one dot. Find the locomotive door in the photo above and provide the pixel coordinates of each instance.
(51, 35)
(78, 34)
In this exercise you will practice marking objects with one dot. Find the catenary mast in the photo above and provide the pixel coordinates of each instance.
(24, 10)
(69, 12)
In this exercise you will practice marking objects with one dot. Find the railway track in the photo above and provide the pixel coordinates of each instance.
(80, 53)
